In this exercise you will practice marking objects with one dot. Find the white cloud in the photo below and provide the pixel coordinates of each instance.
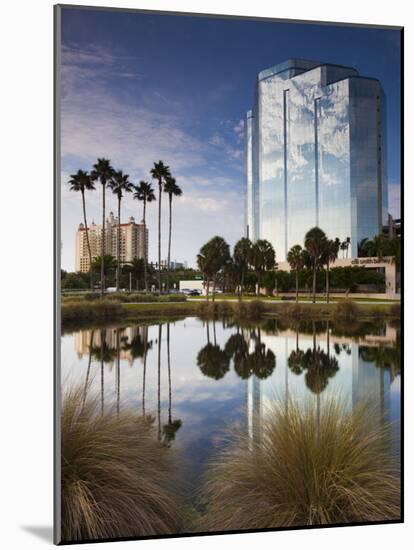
(95, 122)
(239, 130)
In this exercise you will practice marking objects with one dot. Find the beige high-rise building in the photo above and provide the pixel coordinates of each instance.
(133, 236)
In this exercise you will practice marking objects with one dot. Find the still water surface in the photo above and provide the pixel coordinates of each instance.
(197, 378)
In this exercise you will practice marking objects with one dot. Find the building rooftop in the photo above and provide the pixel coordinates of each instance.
(294, 67)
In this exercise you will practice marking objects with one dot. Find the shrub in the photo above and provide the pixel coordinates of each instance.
(347, 310)
(116, 477)
(395, 310)
(101, 310)
(92, 296)
(173, 298)
(304, 469)
(252, 310)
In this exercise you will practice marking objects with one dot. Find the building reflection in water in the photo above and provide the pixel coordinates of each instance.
(264, 363)
(319, 363)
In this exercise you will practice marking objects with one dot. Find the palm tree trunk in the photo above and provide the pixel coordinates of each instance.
(169, 242)
(159, 235)
(169, 374)
(314, 283)
(159, 380)
(258, 283)
(118, 249)
(241, 286)
(145, 247)
(87, 239)
(208, 289)
(327, 283)
(214, 288)
(103, 243)
(297, 286)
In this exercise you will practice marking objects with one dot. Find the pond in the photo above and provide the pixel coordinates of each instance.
(197, 378)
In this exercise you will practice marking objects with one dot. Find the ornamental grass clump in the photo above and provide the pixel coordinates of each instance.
(304, 468)
(117, 480)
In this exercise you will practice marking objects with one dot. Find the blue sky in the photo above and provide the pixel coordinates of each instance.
(137, 88)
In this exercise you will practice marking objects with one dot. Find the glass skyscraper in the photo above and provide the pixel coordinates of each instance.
(315, 154)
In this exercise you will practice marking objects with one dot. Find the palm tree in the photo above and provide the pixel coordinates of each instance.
(212, 257)
(109, 264)
(160, 172)
(136, 268)
(172, 189)
(102, 171)
(347, 242)
(330, 254)
(145, 193)
(120, 184)
(296, 261)
(262, 259)
(81, 182)
(377, 246)
(315, 240)
(241, 256)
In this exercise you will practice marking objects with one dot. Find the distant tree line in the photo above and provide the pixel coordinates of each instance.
(252, 265)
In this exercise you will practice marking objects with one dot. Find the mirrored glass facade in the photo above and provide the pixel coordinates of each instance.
(315, 155)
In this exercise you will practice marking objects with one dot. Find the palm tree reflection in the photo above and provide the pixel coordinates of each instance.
(211, 359)
(317, 364)
(214, 362)
(105, 354)
(172, 426)
(91, 336)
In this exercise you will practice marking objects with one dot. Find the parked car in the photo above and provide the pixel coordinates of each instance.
(194, 292)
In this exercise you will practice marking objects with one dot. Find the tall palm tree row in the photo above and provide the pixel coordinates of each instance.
(81, 182)
(119, 183)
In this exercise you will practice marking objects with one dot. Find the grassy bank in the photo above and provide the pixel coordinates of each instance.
(97, 311)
